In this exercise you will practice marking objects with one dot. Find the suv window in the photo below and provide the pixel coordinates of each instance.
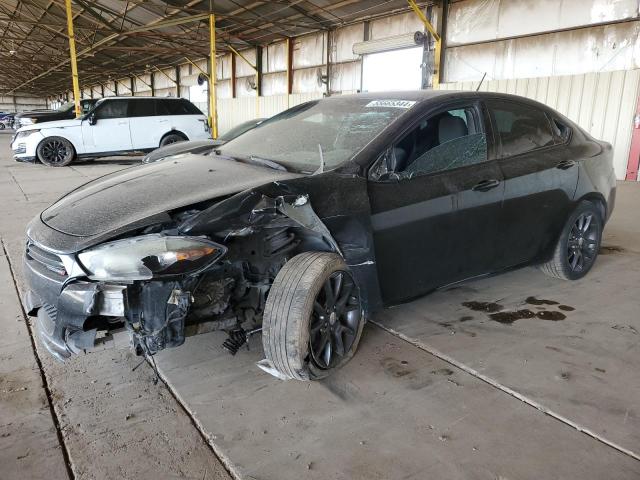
(177, 106)
(520, 128)
(142, 107)
(444, 141)
(112, 109)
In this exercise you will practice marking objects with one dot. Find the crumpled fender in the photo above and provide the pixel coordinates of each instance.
(336, 208)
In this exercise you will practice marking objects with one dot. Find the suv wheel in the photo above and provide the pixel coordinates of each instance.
(55, 152)
(313, 317)
(171, 138)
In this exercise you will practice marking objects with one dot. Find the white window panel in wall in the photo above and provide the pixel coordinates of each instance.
(242, 67)
(309, 51)
(395, 25)
(343, 40)
(274, 57)
(394, 70)
(274, 84)
(594, 49)
(481, 20)
(345, 77)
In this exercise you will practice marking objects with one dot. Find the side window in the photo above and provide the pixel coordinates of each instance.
(142, 108)
(112, 109)
(444, 141)
(520, 128)
(178, 107)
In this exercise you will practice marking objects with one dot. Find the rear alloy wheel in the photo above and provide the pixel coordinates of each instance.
(171, 138)
(313, 317)
(55, 152)
(578, 245)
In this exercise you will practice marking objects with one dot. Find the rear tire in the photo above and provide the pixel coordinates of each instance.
(578, 245)
(55, 152)
(171, 138)
(313, 317)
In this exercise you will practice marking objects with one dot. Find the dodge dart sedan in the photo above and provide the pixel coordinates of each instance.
(307, 225)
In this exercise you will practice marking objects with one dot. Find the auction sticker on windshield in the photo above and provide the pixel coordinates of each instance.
(391, 103)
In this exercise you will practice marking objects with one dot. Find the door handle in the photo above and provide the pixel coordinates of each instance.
(565, 164)
(163, 121)
(122, 123)
(486, 185)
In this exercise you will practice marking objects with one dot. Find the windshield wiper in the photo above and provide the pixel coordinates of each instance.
(267, 163)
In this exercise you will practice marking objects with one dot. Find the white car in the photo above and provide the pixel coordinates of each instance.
(116, 125)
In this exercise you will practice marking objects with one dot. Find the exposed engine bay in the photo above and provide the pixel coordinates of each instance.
(228, 293)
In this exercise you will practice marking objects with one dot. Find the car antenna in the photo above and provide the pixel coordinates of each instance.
(321, 168)
(482, 80)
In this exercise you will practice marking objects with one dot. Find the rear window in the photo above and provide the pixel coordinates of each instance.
(520, 128)
(177, 107)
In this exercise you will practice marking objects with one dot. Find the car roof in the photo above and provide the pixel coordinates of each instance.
(420, 96)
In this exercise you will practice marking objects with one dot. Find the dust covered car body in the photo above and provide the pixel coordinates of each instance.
(308, 224)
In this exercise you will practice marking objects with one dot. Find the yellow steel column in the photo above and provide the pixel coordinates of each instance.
(74, 61)
(435, 82)
(213, 108)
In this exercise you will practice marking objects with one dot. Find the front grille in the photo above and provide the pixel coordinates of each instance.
(49, 260)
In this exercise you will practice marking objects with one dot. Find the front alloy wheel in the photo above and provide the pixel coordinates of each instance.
(335, 320)
(55, 152)
(313, 317)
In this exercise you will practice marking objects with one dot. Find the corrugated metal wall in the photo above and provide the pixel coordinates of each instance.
(526, 38)
(21, 103)
(602, 103)
(233, 111)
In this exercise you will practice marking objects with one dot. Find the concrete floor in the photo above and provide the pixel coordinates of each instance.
(437, 390)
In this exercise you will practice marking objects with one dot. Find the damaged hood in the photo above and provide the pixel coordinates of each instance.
(142, 195)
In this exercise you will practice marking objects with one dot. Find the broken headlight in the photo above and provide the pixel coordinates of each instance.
(148, 256)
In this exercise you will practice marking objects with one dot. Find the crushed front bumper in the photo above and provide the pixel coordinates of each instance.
(62, 309)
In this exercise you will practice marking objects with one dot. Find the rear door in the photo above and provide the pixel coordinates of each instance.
(183, 116)
(144, 129)
(435, 198)
(540, 179)
(110, 133)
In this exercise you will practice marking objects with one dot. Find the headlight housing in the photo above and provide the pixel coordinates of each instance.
(25, 134)
(149, 256)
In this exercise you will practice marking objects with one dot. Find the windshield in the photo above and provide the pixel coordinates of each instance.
(328, 132)
(64, 107)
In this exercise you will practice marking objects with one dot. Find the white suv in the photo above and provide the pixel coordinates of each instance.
(114, 126)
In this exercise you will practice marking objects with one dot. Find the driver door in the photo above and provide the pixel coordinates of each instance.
(436, 198)
(109, 131)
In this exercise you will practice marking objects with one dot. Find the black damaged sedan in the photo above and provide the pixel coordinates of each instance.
(307, 225)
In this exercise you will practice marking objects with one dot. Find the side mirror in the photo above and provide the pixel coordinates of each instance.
(92, 119)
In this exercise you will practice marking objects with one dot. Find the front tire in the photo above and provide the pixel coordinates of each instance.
(55, 152)
(313, 317)
(578, 245)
